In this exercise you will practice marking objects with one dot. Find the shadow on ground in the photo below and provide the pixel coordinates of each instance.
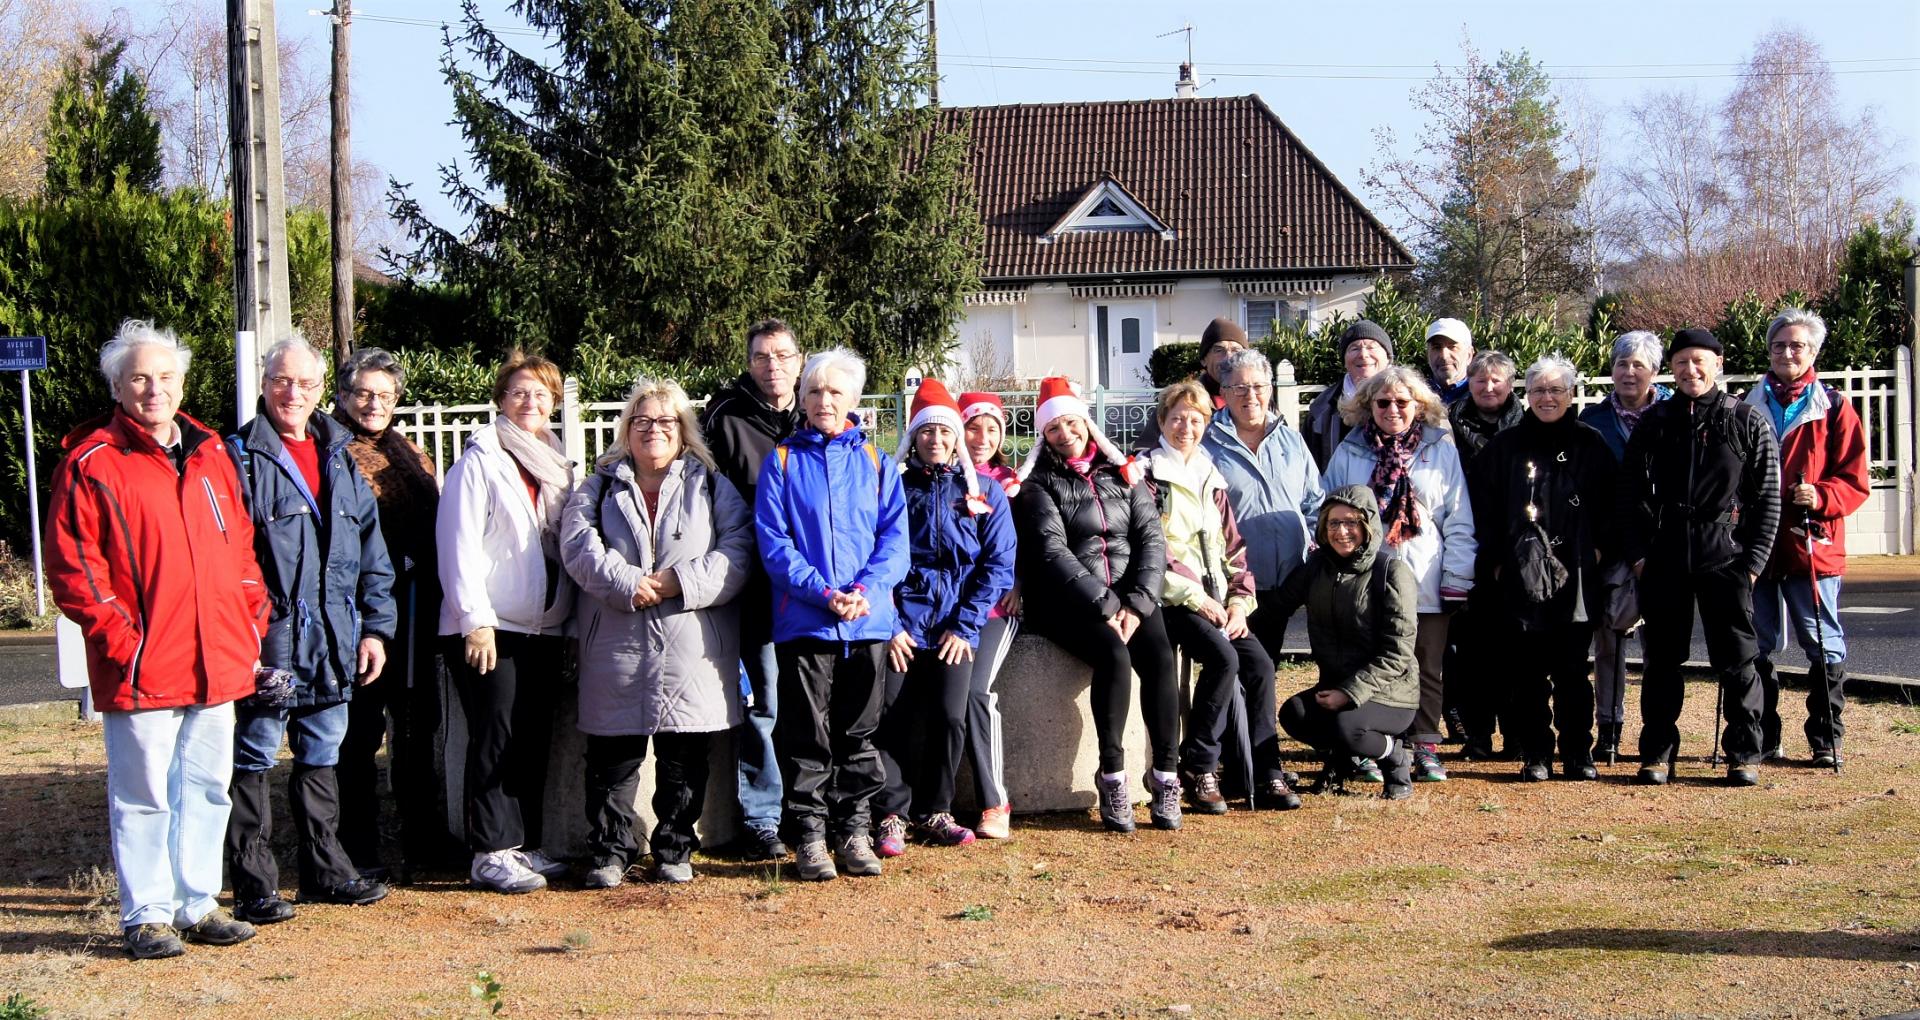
(1864, 946)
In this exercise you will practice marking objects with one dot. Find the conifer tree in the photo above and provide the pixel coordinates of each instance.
(98, 125)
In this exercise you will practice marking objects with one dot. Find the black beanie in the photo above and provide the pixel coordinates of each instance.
(1365, 329)
(1694, 338)
(1220, 331)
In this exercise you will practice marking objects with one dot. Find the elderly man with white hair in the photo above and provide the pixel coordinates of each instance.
(317, 537)
(1823, 478)
(831, 515)
(150, 552)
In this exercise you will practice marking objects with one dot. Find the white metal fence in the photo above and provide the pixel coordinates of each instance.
(1884, 398)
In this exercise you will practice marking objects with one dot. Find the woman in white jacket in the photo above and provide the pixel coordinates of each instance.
(505, 610)
(1403, 452)
(660, 545)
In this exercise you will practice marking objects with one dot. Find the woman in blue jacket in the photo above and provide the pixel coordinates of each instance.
(961, 536)
(832, 522)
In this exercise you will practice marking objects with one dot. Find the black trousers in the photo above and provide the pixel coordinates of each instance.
(1549, 664)
(1826, 701)
(922, 733)
(1223, 663)
(313, 799)
(1668, 595)
(679, 792)
(1267, 624)
(509, 731)
(408, 692)
(1357, 730)
(830, 697)
(1475, 666)
(1115, 663)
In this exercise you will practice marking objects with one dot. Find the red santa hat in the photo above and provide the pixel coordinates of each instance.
(1059, 397)
(974, 404)
(934, 405)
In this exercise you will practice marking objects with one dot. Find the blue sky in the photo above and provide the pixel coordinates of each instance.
(1333, 72)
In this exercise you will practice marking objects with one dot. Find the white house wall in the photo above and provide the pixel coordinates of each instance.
(1047, 333)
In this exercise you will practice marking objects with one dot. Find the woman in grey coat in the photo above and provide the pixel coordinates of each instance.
(659, 544)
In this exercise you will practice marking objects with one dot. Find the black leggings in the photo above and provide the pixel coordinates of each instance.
(923, 729)
(1221, 661)
(1115, 663)
(1357, 730)
(509, 729)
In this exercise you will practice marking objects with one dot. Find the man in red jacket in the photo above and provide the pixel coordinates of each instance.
(150, 551)
(1823, 478)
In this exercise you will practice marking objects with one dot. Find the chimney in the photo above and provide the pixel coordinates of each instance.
(1184, 87)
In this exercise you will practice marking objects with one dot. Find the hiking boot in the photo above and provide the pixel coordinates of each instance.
(1743, 775)
(893, 836)
(1116, 804)
(1606, 741)
(1426, 764)
(502, 872)
(943, 830)
(152, 941)
(1398, 778)
(1828, 759)
(1275, 795)
(606, 876)
(995, 822)
(357, 892)
(1203, 792)
(763, 845)
(813, 863)
(1364, 769)
(265, 910)
(540, 864)
(1163, 803)
(1536, 771)
(1478, 749)
(855, 855)
(672, 872)
(218, 928)
(1651, 775)
(1578, 769)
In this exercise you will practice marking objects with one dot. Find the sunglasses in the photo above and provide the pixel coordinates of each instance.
(1384, 403)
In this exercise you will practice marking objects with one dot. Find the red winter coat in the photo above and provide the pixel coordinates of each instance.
(156, 566)
(1826, 444)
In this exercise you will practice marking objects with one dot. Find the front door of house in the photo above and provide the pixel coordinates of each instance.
(1121, 342)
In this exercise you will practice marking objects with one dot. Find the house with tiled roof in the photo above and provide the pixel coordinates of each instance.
(1114, 227)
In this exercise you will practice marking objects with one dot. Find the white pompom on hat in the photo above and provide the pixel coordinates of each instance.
(1059, 397)
(934, 405)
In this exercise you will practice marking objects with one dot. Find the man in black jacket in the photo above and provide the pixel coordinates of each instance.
(1701, 498)
(742, 425)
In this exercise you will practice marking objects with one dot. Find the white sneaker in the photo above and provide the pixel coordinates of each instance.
(540, 863)
(502, 872)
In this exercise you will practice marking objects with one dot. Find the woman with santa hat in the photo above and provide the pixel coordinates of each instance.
(985, 418)
(1092, 552)
(960, 537)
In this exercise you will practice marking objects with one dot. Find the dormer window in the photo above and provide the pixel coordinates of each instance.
(1107, 208)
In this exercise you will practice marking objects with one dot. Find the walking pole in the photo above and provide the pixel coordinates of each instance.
(1719, 706)
(1819, 633)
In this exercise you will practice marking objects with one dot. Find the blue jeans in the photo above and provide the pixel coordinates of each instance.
(1793, 598)
(167, 805)
(313, 731)
(757, 767)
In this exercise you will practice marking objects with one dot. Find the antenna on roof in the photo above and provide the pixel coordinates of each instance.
(1184, 86)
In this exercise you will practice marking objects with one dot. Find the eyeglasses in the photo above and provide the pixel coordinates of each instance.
(1789, 347)
(536, 395)
(374, 397)
(667, 423)
(1246, 389)
(1333, 525)
(1556, 392)
(764, 359)
(1387, 403)
(287, 382)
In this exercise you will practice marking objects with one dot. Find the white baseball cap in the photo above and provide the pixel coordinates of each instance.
(1453, 329)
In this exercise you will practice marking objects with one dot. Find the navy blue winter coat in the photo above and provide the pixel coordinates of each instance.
(322, 557)
(831, 517)
(962, 562)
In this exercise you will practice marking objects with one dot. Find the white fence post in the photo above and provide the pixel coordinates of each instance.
(572, 436)
(1286, 394)
(1907, 503)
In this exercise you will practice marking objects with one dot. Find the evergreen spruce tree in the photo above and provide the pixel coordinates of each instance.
(676, 169)
(98, 126)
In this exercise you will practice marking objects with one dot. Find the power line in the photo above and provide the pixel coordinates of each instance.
(1158, 72)
(1383, 67)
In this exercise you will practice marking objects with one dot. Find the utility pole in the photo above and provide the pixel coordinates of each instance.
(342, 188)
(262, 308)
(933, 53)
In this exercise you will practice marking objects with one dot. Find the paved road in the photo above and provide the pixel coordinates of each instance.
(28, 674)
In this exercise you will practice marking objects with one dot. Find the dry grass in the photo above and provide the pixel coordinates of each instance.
(1480, 897)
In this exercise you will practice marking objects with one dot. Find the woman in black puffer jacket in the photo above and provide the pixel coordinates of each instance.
(1092, 559)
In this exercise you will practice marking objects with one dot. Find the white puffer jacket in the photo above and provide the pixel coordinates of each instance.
(1441, 555)
(492, 568)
